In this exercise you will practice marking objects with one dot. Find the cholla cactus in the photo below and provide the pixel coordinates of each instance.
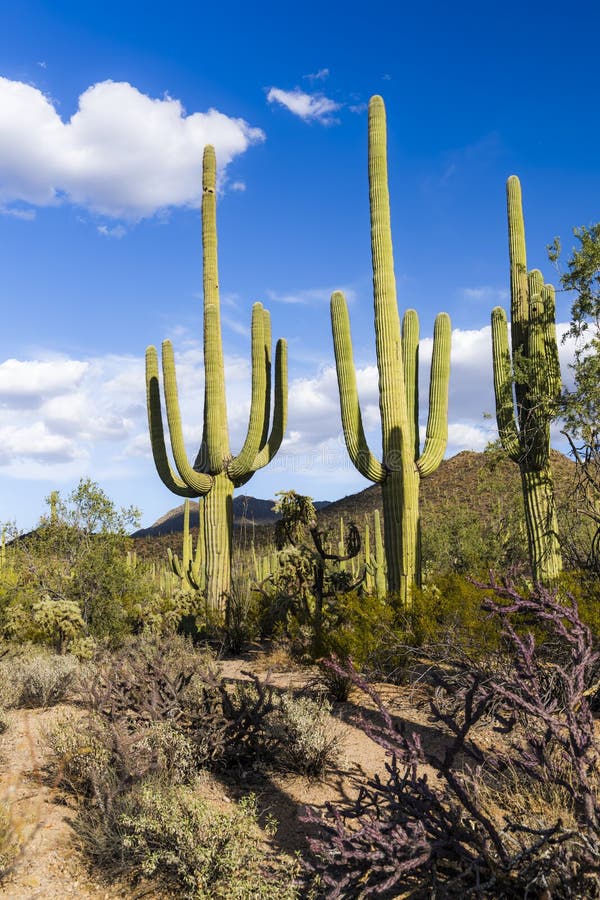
(215, 471)
(402, 466)
(530, 379)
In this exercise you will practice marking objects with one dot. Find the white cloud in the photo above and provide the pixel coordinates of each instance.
(60, 416)
(239, 186)
(26, 215)
(321, 75)
(29, 383)
(122, 154)
(117, 232)
(309, 107)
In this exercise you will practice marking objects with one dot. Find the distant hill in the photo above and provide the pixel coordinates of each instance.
(479, 485)
(476, 480)
(246, 511)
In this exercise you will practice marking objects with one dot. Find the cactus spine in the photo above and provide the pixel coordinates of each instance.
(215, 472)
(530, 378)
(403, 466)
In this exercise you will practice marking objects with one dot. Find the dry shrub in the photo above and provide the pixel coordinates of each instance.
(37, 679)
(511, 817)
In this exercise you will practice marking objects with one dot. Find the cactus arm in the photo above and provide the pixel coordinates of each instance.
(354, 434)
(280, 409)
(410, 359)
(503, 385)
(242, 464)
(267, 398)
(436, 438)
(550, 342)
(215, 441)
(157, 435)
(174, 563)
(197, 481)
(536, 349)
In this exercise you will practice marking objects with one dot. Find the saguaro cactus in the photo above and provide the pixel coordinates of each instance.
(190, 569)
(216, 472)
(403, 465)
(529, 380)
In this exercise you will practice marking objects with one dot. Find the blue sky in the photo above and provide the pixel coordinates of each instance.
(104, 109)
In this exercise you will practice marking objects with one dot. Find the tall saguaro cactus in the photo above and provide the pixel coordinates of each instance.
(529, 380)
(402, 466)
(215, 471)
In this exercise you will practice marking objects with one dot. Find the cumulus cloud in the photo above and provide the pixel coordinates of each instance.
(28, 384)
(309, 107)
(122, 154)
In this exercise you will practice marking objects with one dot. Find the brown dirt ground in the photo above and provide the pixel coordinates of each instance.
(51, 868)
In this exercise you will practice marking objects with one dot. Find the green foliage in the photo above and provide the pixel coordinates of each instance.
(171, 835)
(60, 621)
(580, 406)
(69, 579)
(448, 612)
(309, 574)
(361, 626)
(455, 540)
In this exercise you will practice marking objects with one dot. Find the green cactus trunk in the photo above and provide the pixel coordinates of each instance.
(397, 360)
(218, 529)
(529, 378)
(216, 472)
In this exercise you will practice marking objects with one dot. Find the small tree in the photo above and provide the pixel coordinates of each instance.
(580, 405)
(75, 558)
(309, 573)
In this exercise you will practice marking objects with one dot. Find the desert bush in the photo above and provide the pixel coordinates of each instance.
(80, 758)
(36, 679)
(448, 610)
(94, 758)
(511, 817)
(242, 615)
(309, 742)
(170, 834)
(146, 680)
(76, 558)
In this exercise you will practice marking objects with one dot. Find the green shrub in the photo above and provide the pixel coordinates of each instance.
(195, 851)
(585, 588)
(448, 611)
(363, 627)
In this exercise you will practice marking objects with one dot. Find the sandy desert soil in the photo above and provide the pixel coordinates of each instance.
(51, 868)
